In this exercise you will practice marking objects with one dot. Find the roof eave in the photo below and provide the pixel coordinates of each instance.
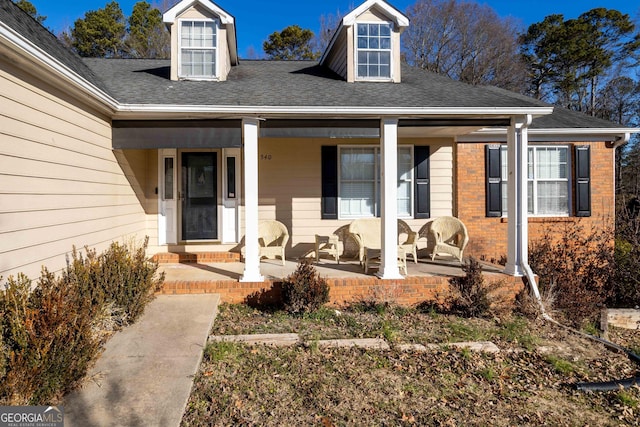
(49, 65)
(398, 17)
(171, 14)
(161, 110)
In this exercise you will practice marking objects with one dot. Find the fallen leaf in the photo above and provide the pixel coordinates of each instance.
(326, 422)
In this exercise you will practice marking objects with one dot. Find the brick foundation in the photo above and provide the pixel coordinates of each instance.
(408, 292)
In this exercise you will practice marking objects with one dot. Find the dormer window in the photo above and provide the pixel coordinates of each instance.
(198, 49)
(373, 54)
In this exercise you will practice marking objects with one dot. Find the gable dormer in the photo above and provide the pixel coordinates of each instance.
(366, 45)
(203, 41)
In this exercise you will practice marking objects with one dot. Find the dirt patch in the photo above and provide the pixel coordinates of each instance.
(530, 382)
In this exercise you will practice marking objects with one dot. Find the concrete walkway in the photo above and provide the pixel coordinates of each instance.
(145, 374)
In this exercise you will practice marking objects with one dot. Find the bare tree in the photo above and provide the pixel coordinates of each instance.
(464, 40)
(328, 27)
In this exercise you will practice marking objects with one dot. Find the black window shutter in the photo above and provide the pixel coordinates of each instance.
(493, 177)
(329, 182)
(583, 180)
(422, 186)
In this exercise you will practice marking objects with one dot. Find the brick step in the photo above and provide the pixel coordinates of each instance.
(195, 257)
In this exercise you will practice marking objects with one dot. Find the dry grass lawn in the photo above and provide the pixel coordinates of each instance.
(529, 382)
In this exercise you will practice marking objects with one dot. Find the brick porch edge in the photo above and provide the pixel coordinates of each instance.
(411, 291)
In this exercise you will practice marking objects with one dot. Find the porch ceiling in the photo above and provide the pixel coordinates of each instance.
(145, 134)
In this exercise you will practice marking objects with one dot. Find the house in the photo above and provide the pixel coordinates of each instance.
(195, 150)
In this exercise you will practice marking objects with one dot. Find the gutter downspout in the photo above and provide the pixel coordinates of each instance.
(522, 258)
(622, 140)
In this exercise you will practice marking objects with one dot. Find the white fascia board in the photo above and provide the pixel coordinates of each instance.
(170, 15)
(400, 19)
(34, 53)
(584, 131)
(404, 112)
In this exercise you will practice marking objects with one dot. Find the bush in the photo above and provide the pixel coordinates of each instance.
(50, 334)
(469, 296)
(48, 339)
(626, 285)
(304, 290)
(578, 267)
(121, 277)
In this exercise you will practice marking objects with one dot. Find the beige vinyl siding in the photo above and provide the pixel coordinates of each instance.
(290, 185)
(141, 170)
(441, 163)
(60, 182)
(372, 15)
(337, 59)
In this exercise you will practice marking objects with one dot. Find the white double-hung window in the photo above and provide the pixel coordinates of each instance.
(373, 51)
(548, 172)
(198, 49)
(359, 182)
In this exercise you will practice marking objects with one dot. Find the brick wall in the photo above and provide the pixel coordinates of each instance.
(488, 236)
(408, 292)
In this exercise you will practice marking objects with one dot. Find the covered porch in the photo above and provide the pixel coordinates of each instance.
(288, 170)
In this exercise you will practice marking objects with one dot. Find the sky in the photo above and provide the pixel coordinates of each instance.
(256, 19)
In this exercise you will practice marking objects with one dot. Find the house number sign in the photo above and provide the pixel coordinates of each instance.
(265, 157)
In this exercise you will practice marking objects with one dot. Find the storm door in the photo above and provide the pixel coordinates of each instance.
(199, 196)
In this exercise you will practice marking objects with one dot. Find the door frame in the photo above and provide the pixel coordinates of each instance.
(167, 207)
(227, 205)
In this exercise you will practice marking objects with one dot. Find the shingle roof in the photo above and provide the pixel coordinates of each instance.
(25, 25)
(563, 118)
(281, 83)
(291, 83)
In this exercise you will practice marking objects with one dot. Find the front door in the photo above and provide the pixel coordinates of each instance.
(199, 200)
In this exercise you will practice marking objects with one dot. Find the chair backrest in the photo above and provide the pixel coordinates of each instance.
(368, 230)
(273, 233)
(451, 230)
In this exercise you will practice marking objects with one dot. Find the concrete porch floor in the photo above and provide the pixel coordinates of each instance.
(273, 270)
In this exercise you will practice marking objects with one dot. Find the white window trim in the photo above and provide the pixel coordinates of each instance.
(377, 181)
(534, 196)
(216, 75)
(356, 49)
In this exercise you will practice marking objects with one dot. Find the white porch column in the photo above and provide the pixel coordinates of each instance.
(250, 146)
(389, 191)
(517, 209)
